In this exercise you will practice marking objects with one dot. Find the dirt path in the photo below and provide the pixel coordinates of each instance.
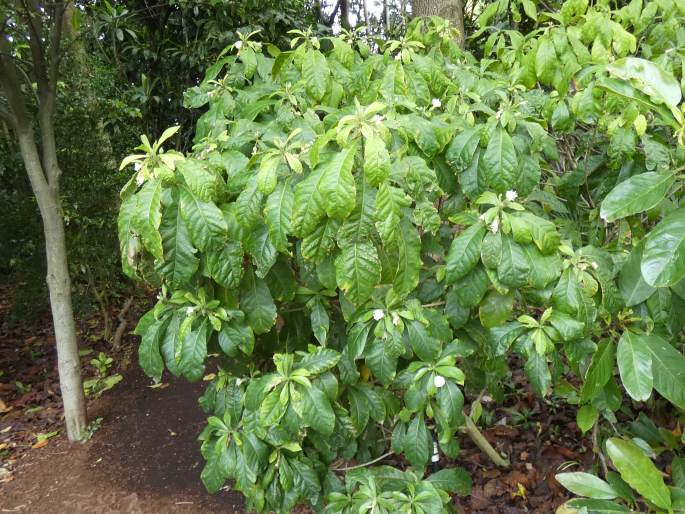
(144, 459)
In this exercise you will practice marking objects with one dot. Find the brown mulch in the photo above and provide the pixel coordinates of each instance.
(145, 458)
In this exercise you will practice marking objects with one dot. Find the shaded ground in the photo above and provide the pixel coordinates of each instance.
(145, 457)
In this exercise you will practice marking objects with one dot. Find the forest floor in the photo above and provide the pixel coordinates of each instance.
(145, 457)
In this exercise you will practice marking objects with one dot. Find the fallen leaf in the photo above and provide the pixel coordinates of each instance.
(40, 444)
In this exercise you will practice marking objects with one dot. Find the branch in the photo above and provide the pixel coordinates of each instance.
(377, 459)
(472, 431)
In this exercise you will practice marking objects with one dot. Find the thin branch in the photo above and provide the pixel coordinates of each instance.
(474, 433)
(377, 459)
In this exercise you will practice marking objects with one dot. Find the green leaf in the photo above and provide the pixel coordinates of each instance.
(180, 262)
(149, 354)
(257, 303)
(357, 271)
(668, 370)
(338, 185)
(586, 417)
(425, 347)
(262, 250)
(319, 320)
(193, 351)
(315, 71)
(595, 506)
(464, 252)
(200, 181)
(321, 242)
(546, 61)
(235, 336)
(376, 160)
(500, 163)
(389, 204)
(513, 269)
(409, 259)
(637, 194)
(451, 403)
(638, 471)
(418, 444)
(471, 289)
(225, 264)
(319, 361)
(382, 361)
(452, 480)
(663, 261)
(206, 223)
(359, 409)
(248, 205)
(635, 365)
(278, 213)
(309, 206)
(600, 371)
(649, 78)
(585, 484)
(495, 309)
(631, 284)
(146, 217)
(538, 373)
(272, 409)
(317, 411)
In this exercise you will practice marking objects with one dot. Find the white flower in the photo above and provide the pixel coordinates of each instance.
(140, 179)
(378, 314)
(494, 226)
(439, 381)
(511, 195)
(436, 102)
(377, 118)
(159, 296)
(398, 57)
(395, 319)
(482, 217)
(595, 265)
(238, 44)
(189, 311)
(136, 166)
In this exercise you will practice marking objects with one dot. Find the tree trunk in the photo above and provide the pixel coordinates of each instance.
(452, 10)
(59, 285)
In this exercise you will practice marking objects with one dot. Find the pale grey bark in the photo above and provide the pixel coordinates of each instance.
(42, 168)
(452, 10)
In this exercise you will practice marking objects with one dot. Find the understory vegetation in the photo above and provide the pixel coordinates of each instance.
(367, 236)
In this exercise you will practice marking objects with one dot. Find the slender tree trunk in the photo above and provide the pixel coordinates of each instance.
(452, 10)
(59, 286)
(44, 174)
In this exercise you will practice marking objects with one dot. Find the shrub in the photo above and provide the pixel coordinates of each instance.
(357, 237)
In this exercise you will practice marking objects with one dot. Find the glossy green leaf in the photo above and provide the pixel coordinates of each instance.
(637, 194)
(585, 484)
(635, 365)
(638, 471)
(663, 260)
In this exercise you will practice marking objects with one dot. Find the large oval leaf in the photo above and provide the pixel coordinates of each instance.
(635, 365)
(637, 194)
(638, 471)
(663, 261)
